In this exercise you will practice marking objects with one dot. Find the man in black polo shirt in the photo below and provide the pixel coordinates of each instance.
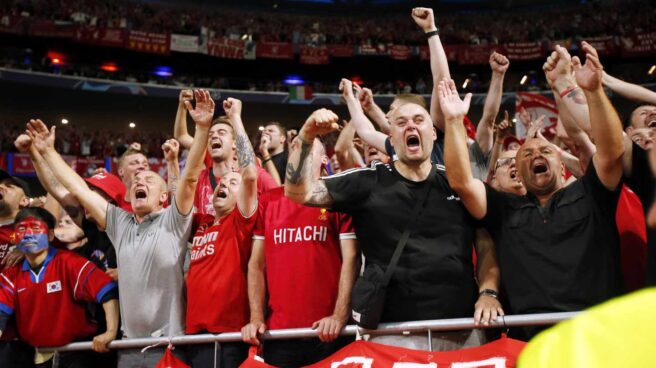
(434, 278)
(558, 246)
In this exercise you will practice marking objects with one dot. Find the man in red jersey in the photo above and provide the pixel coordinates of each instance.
(221, 150)
(219, 256)
(45, 291)
(309, 255)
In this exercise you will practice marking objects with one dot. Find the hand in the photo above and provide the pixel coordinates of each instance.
(558, 67)
(113, 273)
(232, 107)
(291, 134)
(264, 145)
(37, 201)
(322, 121)
(100, 170)
(589, 75)
(185, 95)
(204, 110)
(452, 106)
(171, 149)
(23, 143)
(135, 146)
(366, 97)
(504, 128)
(328, 328)
(100, 342)
(13, 258)
(535, 127)
(525, 118)
(424, 19)
(499, 63)
(250, 332)
(486, 310)
(346, 87)
(41, 137)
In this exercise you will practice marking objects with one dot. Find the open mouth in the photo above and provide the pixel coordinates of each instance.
(216, 145)
(540, 168)
(651, 124)
(2, 196)
(513, 174)
(140, 194)
(412, 141)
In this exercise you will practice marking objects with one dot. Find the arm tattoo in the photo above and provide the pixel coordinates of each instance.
(577, 96)
(320, 196)
(245, 154)
(294, 175)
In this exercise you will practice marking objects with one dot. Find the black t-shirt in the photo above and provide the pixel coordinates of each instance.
(280, 162)
(437, 154)
(434, 277)
(560, 257)
(98, 248)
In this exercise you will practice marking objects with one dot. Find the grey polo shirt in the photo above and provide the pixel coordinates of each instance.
(150, 258)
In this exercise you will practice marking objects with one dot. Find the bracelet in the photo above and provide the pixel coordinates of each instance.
(489, 292)
(430, 34)
(568, 90)
(265, 161)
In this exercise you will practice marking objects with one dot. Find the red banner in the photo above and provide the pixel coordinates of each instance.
(314, 55)
(155, 43)
(340, 50)
(12, 24)
(361, 354)
(85, 166)
(605, 46)
(643, 44)
(536, 105)
(468, 55)
(400, 52)
(47, 28)
(450, 50)
(524, 51)
(379, 49)
(275, 50)
(226, 48)
(101, 36)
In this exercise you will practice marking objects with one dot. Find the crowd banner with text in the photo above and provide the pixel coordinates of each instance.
(275, 50)
(112, 37)
(341, 51)
(226, 48)
(184, 43)
(155, 43)
(400, 52)
(523, 51)
(638, 45)
(314, 55)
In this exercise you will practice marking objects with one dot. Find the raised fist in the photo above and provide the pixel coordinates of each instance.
(171, 148)
(185, 95)
(322, 121)
(499, 63)
(23, 143)
(424, 19)
(232, 107)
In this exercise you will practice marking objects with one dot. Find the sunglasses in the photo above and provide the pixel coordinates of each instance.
(506, 161)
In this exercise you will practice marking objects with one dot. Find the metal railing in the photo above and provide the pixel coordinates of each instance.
(454, 324)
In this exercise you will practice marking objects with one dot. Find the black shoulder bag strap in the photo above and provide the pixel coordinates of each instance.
(421, 199)
(212, 179)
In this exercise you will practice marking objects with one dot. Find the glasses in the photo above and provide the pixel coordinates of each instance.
(506, 161)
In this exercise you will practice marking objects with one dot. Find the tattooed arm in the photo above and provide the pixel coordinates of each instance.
(300, 186)
(247, 197)
(202, 115)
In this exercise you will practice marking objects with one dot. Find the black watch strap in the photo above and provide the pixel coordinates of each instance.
(490, 293)
(430, 34)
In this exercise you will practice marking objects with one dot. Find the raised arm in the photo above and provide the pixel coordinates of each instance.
(485, 129)
(629, 90)
(347, 155)
(439, 64)
(361, 123)
(456, 154)
(501, 131)
(607, 127)
(328, 328)
(247, 197)
(300, 186)
(256, 294)
(44, 140)
(268, 165)
(372, 110)
(171, 149)
(180, 131)
(202, 115)
(558, 70)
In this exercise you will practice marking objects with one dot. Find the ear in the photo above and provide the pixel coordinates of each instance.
(629, 130)
(163, 197)
(51, 235)
(121, 172)
(24, 202)
(434, 133)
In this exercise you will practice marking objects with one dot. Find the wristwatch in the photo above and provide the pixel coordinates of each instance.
(430, 34)
(490, 293)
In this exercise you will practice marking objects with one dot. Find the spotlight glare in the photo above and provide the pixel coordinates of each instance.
(132, 125)
(464, 85)
(64, 121)
(261, 128)
(524, 78)
(652, 70)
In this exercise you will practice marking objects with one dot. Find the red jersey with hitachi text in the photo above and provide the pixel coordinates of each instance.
(204, 190)
(303, 259)
(217, 298)
(48, 304)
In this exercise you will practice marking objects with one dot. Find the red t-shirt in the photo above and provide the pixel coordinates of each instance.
(204, 190)
(631, 226)
(303, 259)
(217, 296)
(125, 205)
(47, 305)
(6, 240)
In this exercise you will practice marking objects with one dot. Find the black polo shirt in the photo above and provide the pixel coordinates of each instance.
(560, 257)
(434, 277)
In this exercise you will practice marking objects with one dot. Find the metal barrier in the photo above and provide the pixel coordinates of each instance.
(383, 329)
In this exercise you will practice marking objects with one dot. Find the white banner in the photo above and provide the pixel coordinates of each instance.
(184, 43)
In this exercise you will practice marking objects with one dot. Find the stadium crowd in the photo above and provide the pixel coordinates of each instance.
(250, 236)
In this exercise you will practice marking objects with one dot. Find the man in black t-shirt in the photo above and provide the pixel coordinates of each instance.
(558, 246)
(274, 147)
(434, 277)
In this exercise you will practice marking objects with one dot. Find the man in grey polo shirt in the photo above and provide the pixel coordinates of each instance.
(151, 243)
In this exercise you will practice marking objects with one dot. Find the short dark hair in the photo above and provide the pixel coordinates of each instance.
(283, 130)
(130, 152)
(224, 120)
(634, 107)
(38, 213)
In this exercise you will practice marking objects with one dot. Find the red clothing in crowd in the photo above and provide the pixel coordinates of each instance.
(631, 226)
(302, 248)
(217, 297)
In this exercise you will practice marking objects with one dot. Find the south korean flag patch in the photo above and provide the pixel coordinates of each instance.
(53, 287)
